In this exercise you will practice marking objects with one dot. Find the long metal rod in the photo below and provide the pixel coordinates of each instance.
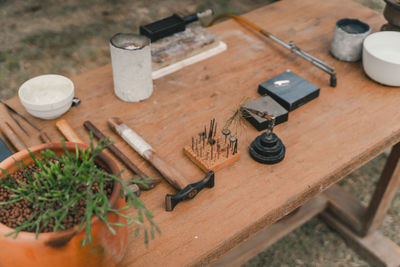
(18, 123)
(317, 62)
(10, 109)
(291, 46)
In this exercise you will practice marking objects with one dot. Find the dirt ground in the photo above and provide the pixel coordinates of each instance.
(71, 36)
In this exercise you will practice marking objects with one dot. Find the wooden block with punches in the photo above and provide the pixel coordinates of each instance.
(211, 151)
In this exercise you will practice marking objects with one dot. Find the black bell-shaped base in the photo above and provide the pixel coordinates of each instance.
(267, 149)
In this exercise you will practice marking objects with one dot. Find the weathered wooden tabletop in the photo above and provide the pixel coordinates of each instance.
(325, 139)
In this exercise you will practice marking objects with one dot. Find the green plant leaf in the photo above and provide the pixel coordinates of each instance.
(56, 185)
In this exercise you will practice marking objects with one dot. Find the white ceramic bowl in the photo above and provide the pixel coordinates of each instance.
(47, 96)
(381, 57)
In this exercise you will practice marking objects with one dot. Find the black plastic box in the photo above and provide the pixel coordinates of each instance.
(292, 92)
(163, 28)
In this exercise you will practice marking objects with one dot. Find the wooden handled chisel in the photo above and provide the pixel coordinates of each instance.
(148, 181)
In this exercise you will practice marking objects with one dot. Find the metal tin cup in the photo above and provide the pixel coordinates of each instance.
(348, 38)
(131, 64)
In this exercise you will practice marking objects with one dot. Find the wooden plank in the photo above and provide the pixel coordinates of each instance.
(325, 139)
(384, 193)
(346, 215)
(345, 208)
(375, 248)
(272, 234)
(12, 137)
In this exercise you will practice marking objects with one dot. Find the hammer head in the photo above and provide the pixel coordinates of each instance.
(189, 191)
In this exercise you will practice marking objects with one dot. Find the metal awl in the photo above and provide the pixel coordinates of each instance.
(12, 111)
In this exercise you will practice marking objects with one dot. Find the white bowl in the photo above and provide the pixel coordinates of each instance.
(381, 57)
(47, 96)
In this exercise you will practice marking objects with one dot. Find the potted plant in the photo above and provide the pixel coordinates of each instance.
(63, 204)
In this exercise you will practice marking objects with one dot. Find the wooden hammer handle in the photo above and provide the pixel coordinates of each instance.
(146, 151)
(172, 175)
(12, 136)
(69, 133)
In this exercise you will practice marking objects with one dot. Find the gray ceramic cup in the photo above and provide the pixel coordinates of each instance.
(348, 38)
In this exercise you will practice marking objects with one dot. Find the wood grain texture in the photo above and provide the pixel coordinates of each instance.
(68, 132)
(272, 234)
(350, 218)
(345, 208)
(210, 165)
(12, 137)
(326, 139)
(169, 172)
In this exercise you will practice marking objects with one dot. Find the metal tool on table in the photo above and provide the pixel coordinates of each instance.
(291, 46)
(12, 112)
(65, 128)
(186, 190)
(259, 112)
(140, 175)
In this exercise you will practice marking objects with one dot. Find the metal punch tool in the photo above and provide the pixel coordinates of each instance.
(12, 112)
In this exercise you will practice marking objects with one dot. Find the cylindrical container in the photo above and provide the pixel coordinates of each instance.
(392, 12)
(381, 57)
(131, 64)
(348, 38)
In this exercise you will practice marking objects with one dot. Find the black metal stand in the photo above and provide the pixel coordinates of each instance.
(267, 148)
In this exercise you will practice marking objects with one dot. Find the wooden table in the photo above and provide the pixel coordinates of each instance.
(326, 139)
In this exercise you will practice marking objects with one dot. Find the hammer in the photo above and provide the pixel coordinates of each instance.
(186, 190)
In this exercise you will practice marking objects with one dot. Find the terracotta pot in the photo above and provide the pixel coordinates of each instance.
(63, 248)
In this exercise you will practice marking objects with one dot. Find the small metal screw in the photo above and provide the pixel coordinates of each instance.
(226, 132)
(232, 141)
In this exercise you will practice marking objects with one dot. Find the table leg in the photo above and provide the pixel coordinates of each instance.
(358, 224)
(271, 234)
(384, 193)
